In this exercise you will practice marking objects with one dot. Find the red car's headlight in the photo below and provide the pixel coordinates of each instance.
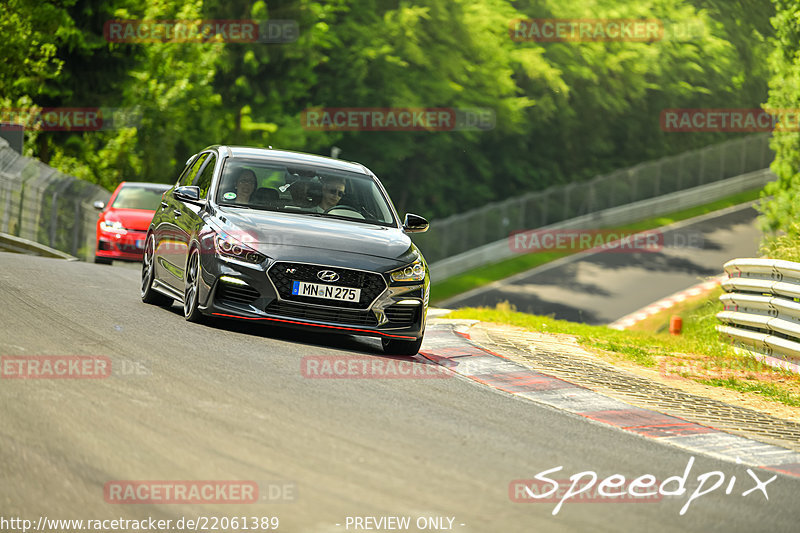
(114, 226)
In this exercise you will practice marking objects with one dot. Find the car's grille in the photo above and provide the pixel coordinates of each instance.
(283, 274)
(401, 315)
(129, 248)
(237, 294)
(352, 317)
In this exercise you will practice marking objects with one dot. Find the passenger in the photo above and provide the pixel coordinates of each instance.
(300, 193)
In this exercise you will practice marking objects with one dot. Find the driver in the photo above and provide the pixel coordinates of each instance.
(246, 184)
(332, 192)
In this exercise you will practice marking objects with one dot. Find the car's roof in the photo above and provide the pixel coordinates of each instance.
(288, 156)
(146, 185)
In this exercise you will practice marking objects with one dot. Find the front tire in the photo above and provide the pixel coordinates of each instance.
(191, 294)
(398, 347)
(150, 296)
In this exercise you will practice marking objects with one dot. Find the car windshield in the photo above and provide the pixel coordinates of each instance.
(309, 190)
(133, 197)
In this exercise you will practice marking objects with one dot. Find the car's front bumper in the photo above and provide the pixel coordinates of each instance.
(249, 292)
(128, 246)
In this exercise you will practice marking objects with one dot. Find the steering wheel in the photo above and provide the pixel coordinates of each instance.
(350, 211)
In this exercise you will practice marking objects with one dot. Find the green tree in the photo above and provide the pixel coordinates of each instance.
(781, 212)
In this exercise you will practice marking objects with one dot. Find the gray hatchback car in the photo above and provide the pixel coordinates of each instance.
(289, 239)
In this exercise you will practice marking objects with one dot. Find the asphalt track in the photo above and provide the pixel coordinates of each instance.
(229, 402)
(601, 287)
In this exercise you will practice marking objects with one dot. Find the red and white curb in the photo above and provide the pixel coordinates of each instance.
(449, 345)
(668, 302)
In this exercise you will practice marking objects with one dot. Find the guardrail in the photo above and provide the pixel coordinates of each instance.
(41, 204)
(609, 218)
(456, 234)
(762, 310)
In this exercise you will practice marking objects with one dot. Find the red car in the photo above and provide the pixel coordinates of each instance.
(122, 226)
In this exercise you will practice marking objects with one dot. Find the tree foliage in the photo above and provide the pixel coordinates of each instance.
(782, 211)
(564, 111)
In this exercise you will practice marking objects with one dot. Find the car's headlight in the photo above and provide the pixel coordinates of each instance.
(227, 246)
(114, 226)
(413, 272)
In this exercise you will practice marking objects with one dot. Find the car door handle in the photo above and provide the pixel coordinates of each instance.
(176, 212)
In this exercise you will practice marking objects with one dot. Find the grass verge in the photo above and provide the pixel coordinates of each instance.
(698, 354)
(490, 273)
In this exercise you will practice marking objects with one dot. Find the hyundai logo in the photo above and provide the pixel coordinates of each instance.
(328, 275)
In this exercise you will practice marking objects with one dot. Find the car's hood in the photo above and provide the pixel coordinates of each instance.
(136, 219)
(274, 233)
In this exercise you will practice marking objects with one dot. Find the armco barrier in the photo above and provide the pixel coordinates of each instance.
(762, 310)
(460, 233)
(607, 218)
(41, 204)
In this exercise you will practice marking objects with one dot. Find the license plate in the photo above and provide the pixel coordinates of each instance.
(329, 292)
(140, 244)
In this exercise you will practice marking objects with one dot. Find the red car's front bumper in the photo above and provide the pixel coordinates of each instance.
(127, 247)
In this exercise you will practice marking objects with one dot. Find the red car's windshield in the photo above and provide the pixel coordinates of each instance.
(137, 198)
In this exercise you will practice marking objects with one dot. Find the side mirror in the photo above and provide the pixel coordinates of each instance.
(99, 205)
(187, 193)
(415, 224)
